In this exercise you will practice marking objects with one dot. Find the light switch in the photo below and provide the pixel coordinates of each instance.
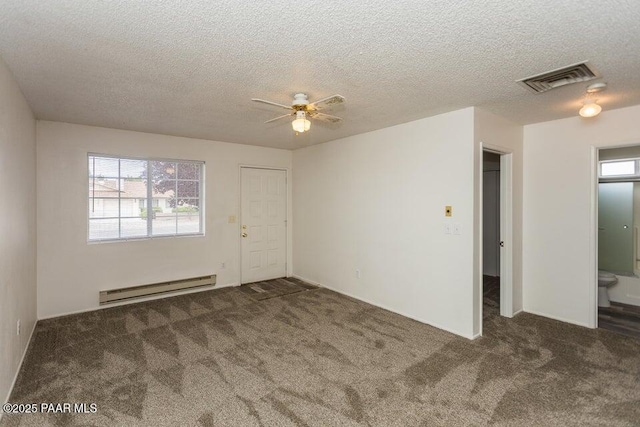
(447, 211)
(456, 228)
(447, 228)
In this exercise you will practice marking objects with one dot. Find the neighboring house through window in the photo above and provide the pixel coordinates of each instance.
(121, 189)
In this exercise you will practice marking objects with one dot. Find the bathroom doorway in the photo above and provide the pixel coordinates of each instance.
(618, 240)
(490, 233)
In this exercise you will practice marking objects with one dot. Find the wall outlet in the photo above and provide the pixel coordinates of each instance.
(223, 266)
(18, 327)
(357, 274)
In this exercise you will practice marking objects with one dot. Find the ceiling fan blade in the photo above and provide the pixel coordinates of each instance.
(275, 104)
(278, 118)
(326, 118)
(326, 103)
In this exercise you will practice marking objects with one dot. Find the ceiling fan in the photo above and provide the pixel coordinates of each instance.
(303, 110)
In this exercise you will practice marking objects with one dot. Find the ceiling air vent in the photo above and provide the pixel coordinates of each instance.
(576, 73)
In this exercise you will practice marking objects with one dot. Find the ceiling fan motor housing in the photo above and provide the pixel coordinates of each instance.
(300, 101)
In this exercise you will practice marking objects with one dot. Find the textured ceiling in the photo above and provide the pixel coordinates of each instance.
(190, 68)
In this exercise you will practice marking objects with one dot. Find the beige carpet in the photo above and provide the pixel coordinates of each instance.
(313, 357)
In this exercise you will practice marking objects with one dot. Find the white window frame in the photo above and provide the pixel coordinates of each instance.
(149, 200)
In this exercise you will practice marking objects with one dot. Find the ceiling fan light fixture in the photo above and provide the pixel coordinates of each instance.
(301, 124)
(590, 108)
(303, 111)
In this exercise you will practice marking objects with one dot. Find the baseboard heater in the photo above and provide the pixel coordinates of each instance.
(115, 295)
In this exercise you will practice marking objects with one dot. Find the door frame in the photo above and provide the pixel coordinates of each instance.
(506, 232)
(593, 252)
(288, 206)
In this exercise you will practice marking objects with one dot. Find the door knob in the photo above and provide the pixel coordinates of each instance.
(244, 234)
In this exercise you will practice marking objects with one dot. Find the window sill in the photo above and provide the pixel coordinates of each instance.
(138, 239)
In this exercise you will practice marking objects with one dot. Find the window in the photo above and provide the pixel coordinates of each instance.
(618, 168)
(121, 190)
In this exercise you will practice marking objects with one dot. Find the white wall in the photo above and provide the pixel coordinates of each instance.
(71, 272)
(559, 275)
(17, 227)
(494, 132)
(375, 202)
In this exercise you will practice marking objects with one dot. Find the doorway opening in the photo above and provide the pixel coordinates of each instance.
(618, 243)
(495, 246)
(490, 233)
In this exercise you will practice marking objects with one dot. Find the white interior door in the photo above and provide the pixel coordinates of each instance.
(263, 224)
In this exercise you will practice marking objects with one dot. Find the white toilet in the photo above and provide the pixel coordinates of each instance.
(605, 281)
